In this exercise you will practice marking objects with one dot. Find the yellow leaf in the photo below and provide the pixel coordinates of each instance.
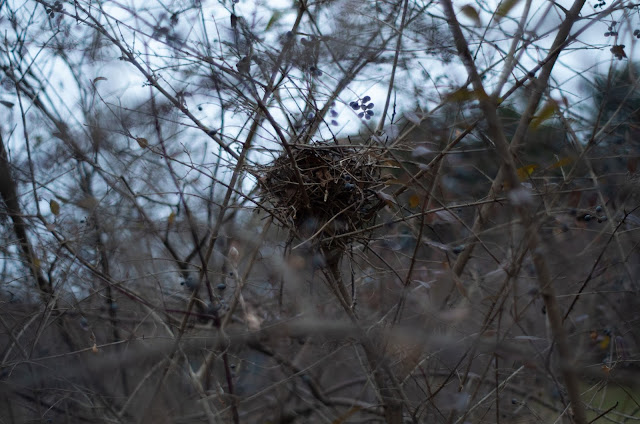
(414, 201)
(171, 218)
(94, 348)
(547, 111)
(471, 13)
(525, 172)
(95, 80)
(463, 95)
(343, 418)
(562, 162)
(55, 207)
(505, 7)
(142, 142)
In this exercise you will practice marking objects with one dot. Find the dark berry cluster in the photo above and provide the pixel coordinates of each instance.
(315, 71)
(363, 105)
(57, 7)
(618, 51)
(612, 30)
(311, 52)
(636, 33)
(587, 216)
(333, 114)
(601, 4)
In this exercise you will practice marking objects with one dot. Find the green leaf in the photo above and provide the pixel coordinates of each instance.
(547, 112)
(55, 207)
(471, 13)
(505, 7)
(274, 18)
(463, 95)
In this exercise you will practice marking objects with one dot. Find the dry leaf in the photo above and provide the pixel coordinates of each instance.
(414, 201)
(88, 203)
(387, 198)
(413, 118)
(233, 254)
(55, 207)
(420, 151)
(142, 142)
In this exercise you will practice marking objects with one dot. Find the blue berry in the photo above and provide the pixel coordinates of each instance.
(366, 99)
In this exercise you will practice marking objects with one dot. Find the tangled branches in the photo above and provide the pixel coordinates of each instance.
(341, 183)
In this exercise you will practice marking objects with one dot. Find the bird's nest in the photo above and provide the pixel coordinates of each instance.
(324, 190)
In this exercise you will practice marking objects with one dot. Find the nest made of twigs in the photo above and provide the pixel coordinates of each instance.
(338, 194)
